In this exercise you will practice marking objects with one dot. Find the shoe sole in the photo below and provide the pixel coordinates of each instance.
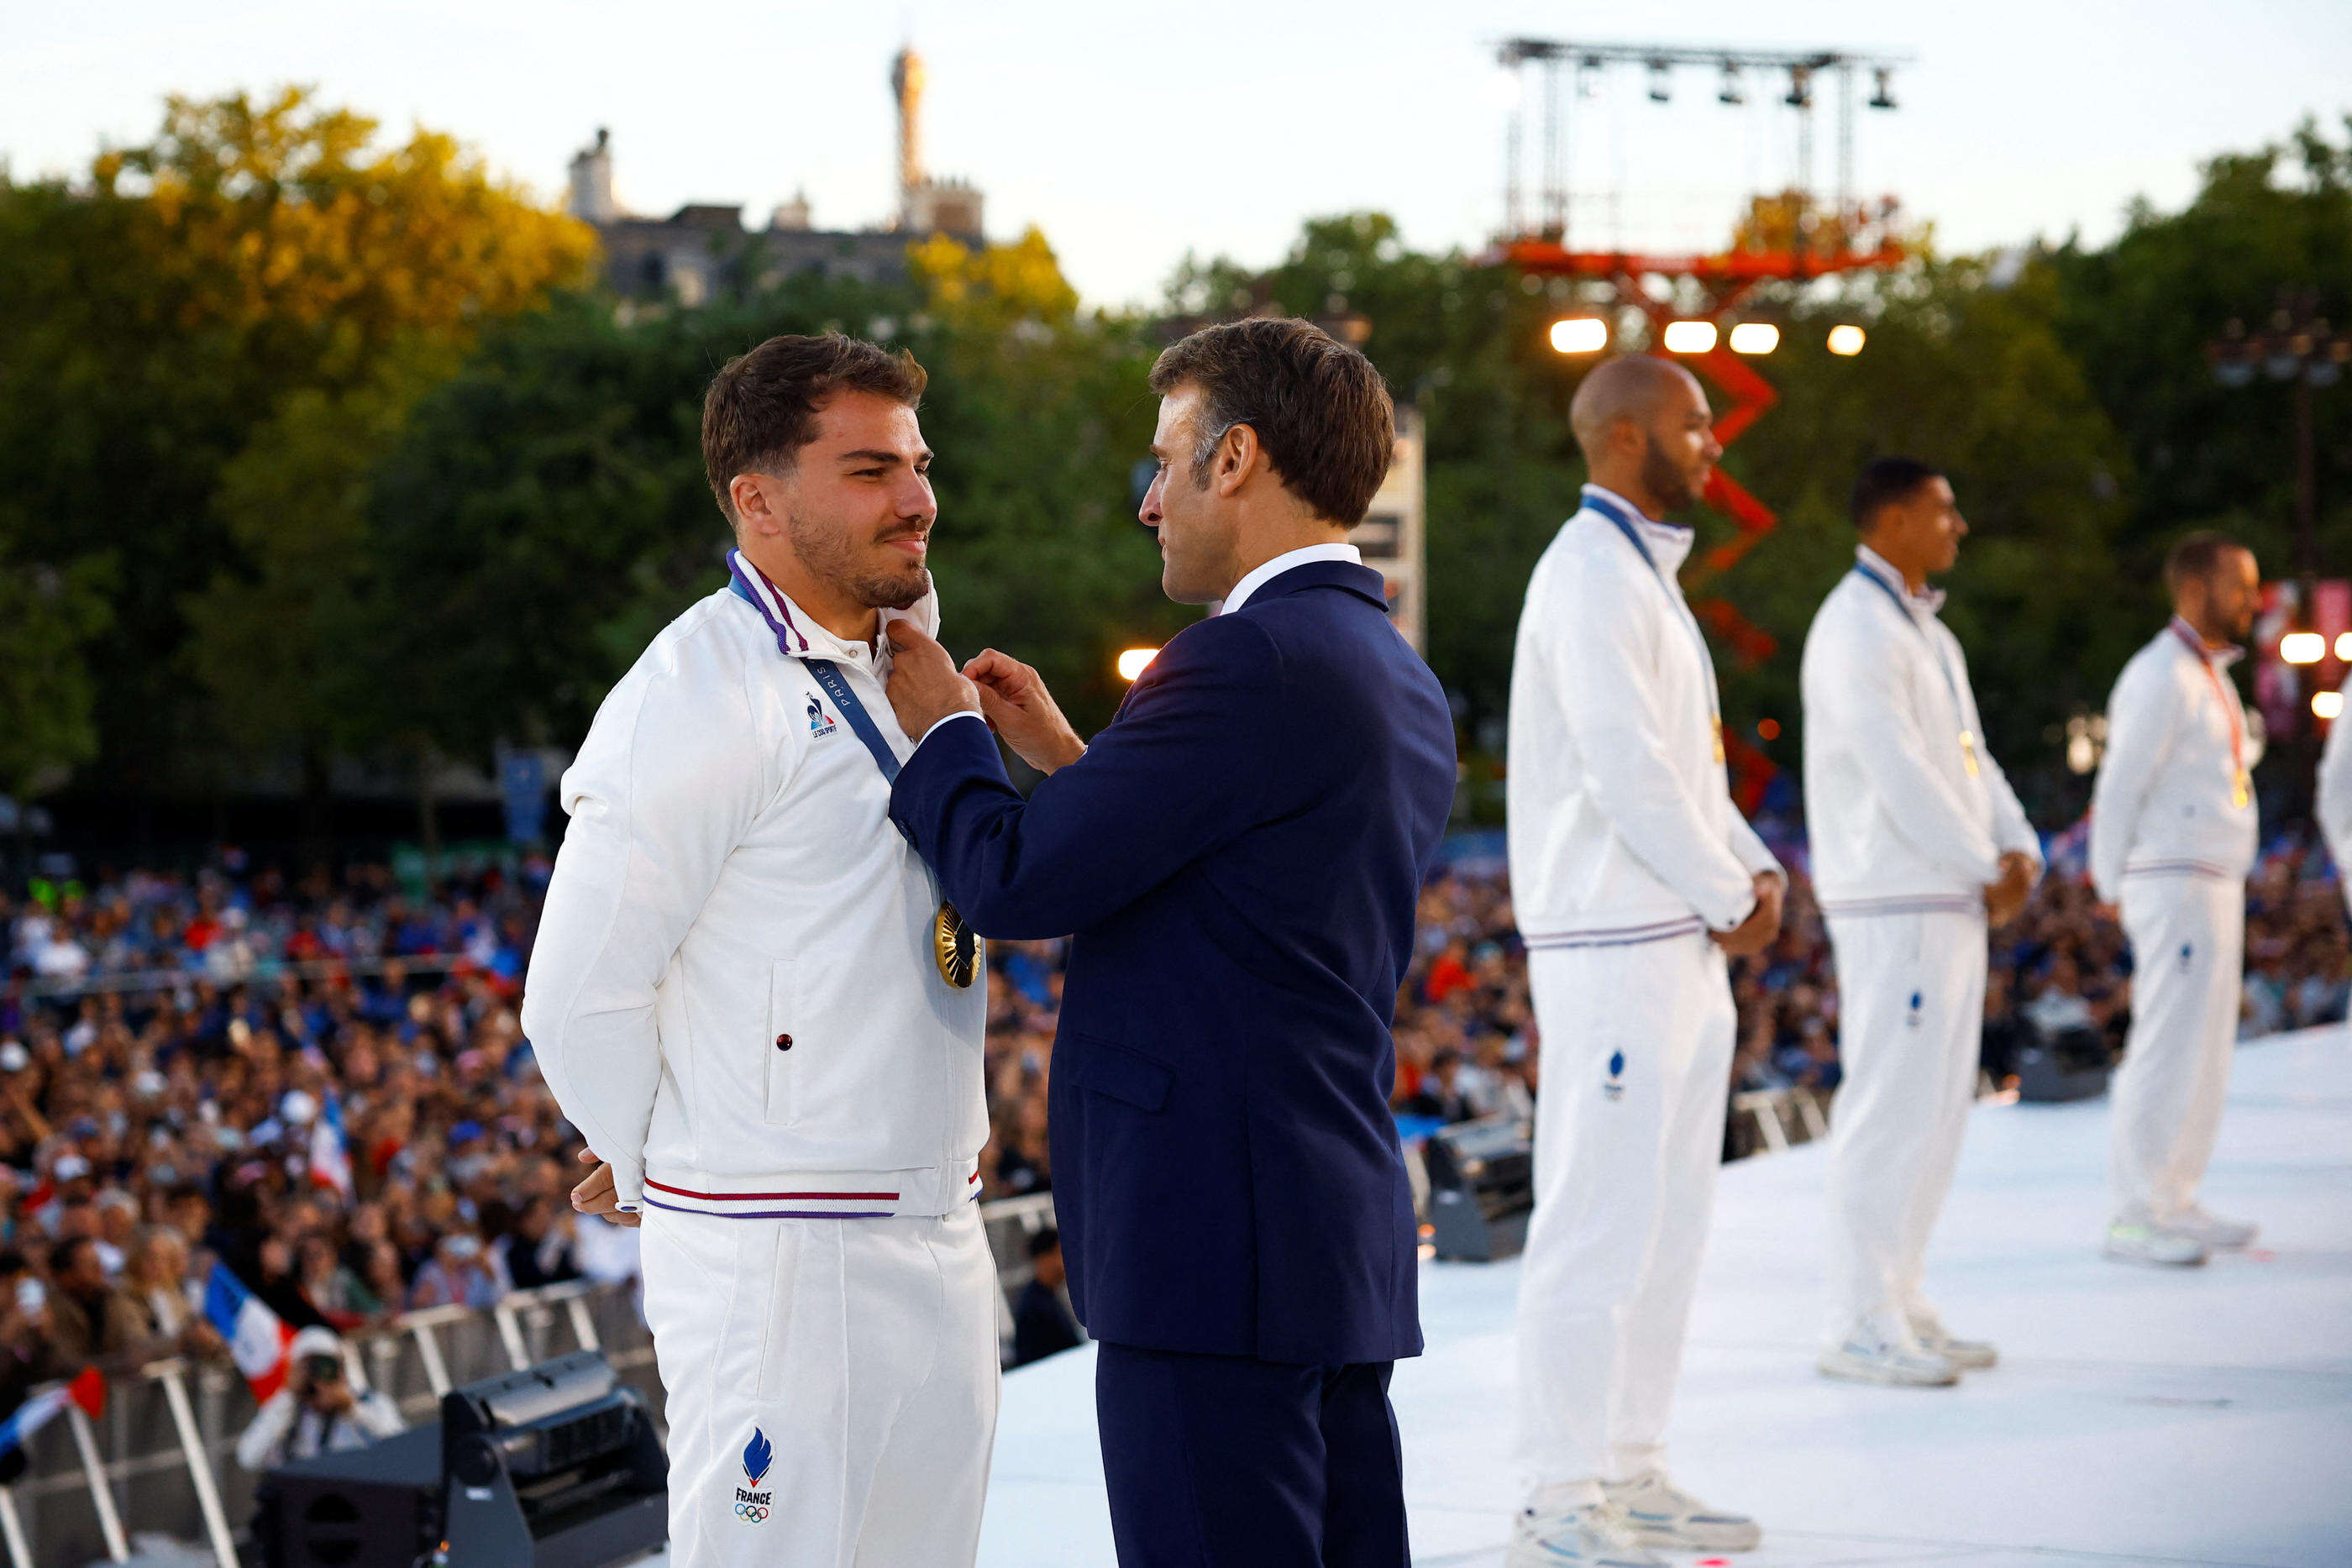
(1665, 1539)
(1525, 1556)
(1974, 1363)
(1883, 1376)
(2123, 1254)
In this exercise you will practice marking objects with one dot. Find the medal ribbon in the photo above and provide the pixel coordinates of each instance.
(1608, 507)
(1959, 710)
(2239, 784)
(950, 925)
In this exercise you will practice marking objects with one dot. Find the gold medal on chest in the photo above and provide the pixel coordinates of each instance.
(955, 947)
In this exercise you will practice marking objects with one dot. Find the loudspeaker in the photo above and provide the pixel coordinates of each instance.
(555, 1467)
(377, 1507)
(1481, 1187)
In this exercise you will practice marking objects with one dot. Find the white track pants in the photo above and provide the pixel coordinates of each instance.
(1910, 1030)
(2189, 939)
(832, 1387)
(1628, 1136)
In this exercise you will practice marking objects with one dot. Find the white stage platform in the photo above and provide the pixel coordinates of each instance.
(2138, 1416)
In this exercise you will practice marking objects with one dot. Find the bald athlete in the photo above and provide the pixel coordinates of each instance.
(1634, 878)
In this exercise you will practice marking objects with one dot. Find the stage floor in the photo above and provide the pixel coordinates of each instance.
(2138, 1416)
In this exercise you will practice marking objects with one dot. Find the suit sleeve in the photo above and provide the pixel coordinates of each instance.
(1866, 700)
(2139, 736)
(1750, 850)
(1177, 775)
(670, 778)
(1607, 678)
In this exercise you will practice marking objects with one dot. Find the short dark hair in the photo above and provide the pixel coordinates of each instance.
(1320, 410)
(1884, 482)
(2197, 555)
(63, 1253)
(1045, 1242)
(762, 406)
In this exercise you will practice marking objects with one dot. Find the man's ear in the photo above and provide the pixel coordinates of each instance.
(755, 501)
(1238, 455)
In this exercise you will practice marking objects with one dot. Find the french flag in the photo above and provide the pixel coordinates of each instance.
(330, 1152)
(257, 1338)
(88, 1390)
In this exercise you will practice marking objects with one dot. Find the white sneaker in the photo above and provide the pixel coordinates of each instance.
(1869, 1356)
(1593, 1536)
(2211, 1229)
(2136, 1242)
(1968, 1354)
(1664, 1515)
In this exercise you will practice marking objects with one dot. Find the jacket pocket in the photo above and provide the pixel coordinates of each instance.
(786, 1060)
(1104, 1068)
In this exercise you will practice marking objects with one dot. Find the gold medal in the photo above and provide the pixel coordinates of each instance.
(1719, 740)
(2240, 789)
(955, 947)
(1968, 751)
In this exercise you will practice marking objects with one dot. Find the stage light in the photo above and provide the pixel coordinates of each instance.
(1801, 88)
(1690, 337)
(1755, 337)
(1846, 339)
(2303, 647)
(1768, 729)
(1733, 91)
(1661, 82)
(1884, 97)
(2326, 704)
(1135, 661)
(2344, 646)
(1579, 335)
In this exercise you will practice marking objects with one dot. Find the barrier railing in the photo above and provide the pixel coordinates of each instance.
(1781, 1112)
(166, 1460)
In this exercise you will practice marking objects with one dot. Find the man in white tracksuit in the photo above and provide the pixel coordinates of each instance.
(1632, 874)
(741, 997)
(2335, 796)
(1917, 842)
(2173, 834)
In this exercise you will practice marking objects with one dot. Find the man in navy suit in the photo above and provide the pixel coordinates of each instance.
(1239, 855)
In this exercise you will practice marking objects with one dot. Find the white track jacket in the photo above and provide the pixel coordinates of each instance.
(2168, 802)
(1904, 803)
(2335, 796)
(1622, 824)
(733, 994)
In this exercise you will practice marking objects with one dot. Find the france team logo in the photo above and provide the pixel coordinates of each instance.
(757, 1454)
(819, 724)
(1615, 1087)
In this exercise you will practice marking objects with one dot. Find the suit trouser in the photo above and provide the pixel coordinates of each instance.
(2189, 938)
(1226, 1461)
(832, 1387)
(1911, 1028)
(1637, 1043)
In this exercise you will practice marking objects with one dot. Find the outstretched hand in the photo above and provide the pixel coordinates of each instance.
(1014, 700)
(924, 685)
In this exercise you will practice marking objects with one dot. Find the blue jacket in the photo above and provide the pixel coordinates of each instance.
(1239, 855)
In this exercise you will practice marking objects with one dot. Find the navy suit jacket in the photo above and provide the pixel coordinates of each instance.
(1238, 856)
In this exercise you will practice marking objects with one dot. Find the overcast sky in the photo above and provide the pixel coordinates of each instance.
(1132, 134)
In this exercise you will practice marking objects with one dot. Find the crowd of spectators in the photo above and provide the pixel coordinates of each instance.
(322, 1083)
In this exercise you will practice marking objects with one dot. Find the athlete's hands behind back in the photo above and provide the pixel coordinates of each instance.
(594, 1195)
(1762, 927)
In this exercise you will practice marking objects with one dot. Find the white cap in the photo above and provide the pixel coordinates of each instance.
(315, 1340)
(14, 1057)
(70, 1166)
(297, 1108)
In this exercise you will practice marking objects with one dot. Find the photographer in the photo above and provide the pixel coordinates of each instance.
(316, 1412)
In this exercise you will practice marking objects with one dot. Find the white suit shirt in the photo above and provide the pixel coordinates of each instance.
(733, 995)
(2168, 800)
(1622, 827)
(2335, 796)
(1906, 808)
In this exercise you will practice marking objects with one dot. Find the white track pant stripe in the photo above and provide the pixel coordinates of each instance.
(1626, 1155)
(2188, 936)
(1911, 1026)
(864, 1353)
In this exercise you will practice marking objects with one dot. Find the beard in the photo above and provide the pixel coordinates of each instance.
(828, 556)
(1664, 478)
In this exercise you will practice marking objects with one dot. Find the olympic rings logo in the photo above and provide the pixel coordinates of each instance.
(754, 1511)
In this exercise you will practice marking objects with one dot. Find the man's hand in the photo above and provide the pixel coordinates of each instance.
(1762, 926)
(594, 1195)
(1023, 712)
(2005, 899)
(924, 685)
